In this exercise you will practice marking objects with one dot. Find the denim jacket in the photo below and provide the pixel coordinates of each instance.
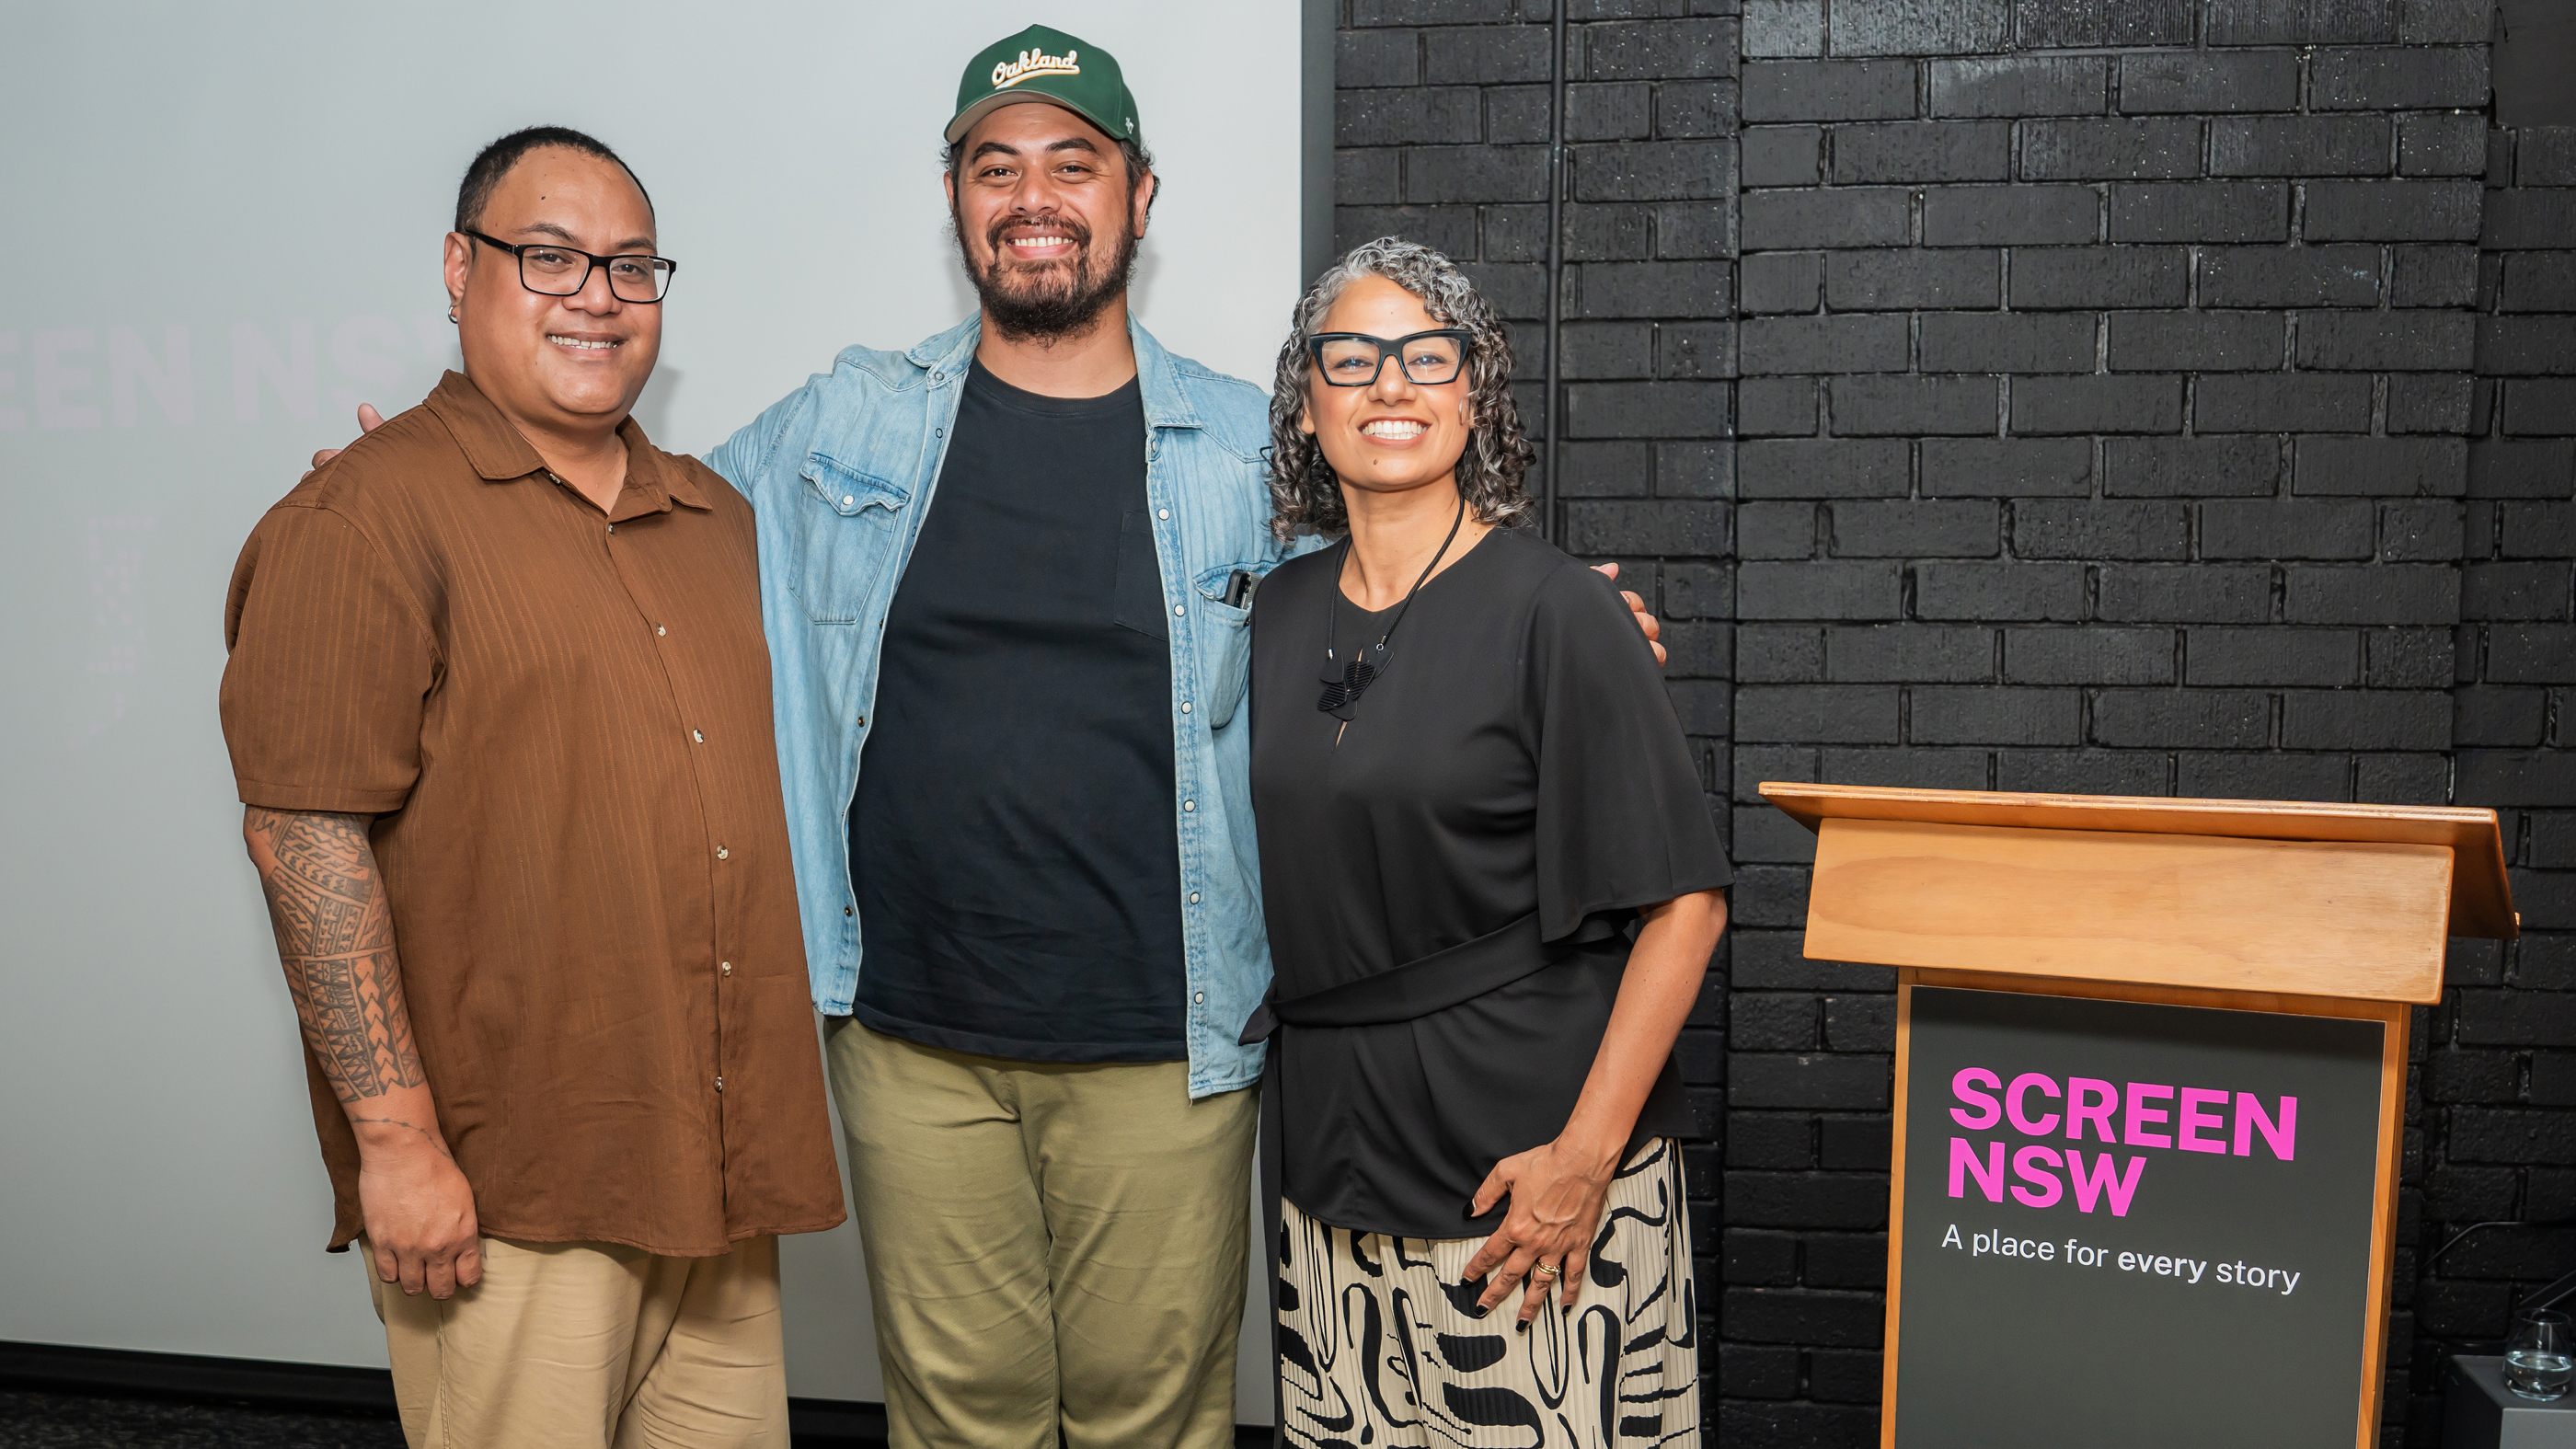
(841, 473)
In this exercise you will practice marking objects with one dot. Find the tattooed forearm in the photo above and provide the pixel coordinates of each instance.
(335, 938)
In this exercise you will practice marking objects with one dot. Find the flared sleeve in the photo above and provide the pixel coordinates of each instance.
(1623, 818)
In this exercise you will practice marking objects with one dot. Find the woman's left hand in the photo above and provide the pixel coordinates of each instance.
(1556, 1192)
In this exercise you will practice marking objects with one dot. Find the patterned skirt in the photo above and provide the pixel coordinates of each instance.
(1376, 1347)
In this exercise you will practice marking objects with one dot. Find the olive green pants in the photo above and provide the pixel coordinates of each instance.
(1048, 1245)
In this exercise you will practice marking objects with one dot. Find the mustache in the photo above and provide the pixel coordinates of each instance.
(1071, 227)
(1044, 303)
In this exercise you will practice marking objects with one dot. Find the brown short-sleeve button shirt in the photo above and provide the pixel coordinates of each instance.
(561, 721)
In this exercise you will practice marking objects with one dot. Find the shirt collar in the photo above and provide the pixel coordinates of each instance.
(498, 452)
(1166, 405)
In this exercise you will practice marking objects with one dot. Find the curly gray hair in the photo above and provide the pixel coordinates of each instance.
(1305, 496)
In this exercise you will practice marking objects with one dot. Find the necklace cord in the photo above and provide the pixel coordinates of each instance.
(1335, 613)
(1359, 674)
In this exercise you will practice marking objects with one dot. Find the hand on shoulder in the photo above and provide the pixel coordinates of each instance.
(368, 421)
(1654, 630)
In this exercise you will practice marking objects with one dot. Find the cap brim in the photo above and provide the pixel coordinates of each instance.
(966, 119)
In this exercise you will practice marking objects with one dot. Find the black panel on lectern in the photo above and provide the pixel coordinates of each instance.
(2016, 1350)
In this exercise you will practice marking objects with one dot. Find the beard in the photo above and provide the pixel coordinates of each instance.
(1050, 301)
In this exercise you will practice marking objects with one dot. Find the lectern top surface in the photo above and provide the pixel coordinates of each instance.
(2481, 903)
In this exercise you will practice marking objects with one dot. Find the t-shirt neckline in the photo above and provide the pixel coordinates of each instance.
(1124, 398)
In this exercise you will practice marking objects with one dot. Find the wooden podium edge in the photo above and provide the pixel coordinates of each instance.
(2211, 912)
(2398, 1019)
(2481, 898)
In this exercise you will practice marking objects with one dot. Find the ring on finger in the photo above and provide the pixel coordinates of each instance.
(1545, 1270)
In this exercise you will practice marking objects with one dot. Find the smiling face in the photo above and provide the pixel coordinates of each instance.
(1395, 434)
(569, 365)
(1046, 218)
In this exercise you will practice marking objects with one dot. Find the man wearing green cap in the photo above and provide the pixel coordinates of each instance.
(1016, 779)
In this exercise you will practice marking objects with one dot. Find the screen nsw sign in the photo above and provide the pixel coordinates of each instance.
(2131, 1224)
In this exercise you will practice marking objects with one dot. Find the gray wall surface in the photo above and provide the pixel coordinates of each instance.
(2127, 396)
(223, 233)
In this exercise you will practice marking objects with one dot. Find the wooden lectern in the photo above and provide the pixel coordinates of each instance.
(2149, 1099)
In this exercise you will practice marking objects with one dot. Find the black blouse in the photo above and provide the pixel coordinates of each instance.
(1515, 779)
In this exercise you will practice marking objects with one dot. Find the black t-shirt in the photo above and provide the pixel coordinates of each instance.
(1518, 758)
(1012, 844)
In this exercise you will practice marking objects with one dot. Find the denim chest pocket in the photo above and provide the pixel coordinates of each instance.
(1226, 642)
(847, 530)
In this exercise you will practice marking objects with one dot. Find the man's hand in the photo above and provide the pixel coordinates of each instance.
(418, 1210)
(1637, 606)
(369, 420)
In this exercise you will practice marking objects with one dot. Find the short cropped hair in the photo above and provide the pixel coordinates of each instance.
(494, 162)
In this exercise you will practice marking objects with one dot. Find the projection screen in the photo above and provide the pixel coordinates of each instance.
(224, 229)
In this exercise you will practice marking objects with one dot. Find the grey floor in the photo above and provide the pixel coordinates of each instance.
(31, 1420)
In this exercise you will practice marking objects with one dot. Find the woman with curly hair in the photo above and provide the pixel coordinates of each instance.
(1492, 887)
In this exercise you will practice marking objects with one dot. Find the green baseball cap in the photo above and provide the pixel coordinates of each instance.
(1040, 64)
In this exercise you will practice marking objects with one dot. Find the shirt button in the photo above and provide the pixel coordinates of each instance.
(862, 719)
(1194, 898)
(719, 1084)
(721, 852)
(612, 528)
(849, 910)
(1185, 706)
(848, 500)
(659, 631)
(725, 967)
(1198, 996)
(694, 735)
(1176, 609)
(1189, 805)
(1162, 513)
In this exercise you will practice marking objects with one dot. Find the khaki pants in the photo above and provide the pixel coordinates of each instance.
(592, 1346)
(1048, 1245)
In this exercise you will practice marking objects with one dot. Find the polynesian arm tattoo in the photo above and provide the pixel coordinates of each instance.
(335, 937)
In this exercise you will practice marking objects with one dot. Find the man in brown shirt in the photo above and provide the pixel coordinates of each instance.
(499, 708)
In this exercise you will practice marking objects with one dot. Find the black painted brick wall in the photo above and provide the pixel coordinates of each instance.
(2125, 396)
(2105, 376)
(2496, 1140)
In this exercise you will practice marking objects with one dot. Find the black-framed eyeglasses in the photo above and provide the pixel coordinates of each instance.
(1354, 359)
(553, 270)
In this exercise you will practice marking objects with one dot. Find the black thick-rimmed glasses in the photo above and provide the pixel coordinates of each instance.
(553, 270)
(1354, 359)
